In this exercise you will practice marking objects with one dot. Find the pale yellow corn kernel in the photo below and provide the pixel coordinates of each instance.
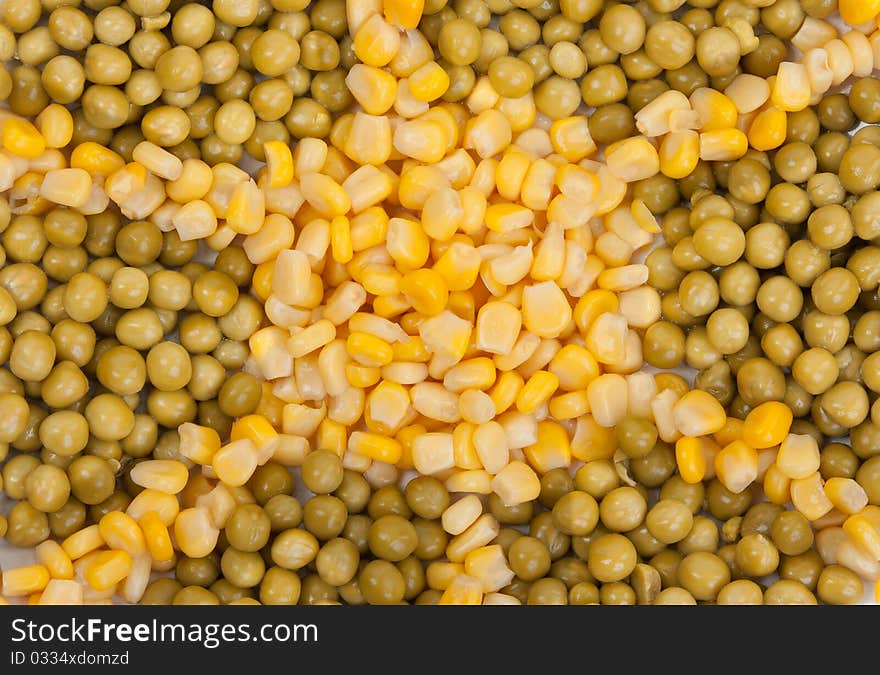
(846, 494)
(366, 187)
(607, 395)
(736, 466)
(632, 159)
(68, 187)
(458, 167)
(679, 153)
(748, 92)
(435, 402)
(309, 156)
(167, 506)
(442, 214)
(433, 453)
(723, 145)
(198, 443)
(377, 447)
(606, 338)
(612, 250)
(490, 443)
(840, 61)
(376, 42)
(698, 413)
(641, 306)
(380, 474)
(521, 429)
(505, 217)
(776, 485)
(108, 569)
(407, 243)
(132, 588)
(446, 334)
(344, 302)
(331, 436)
(549, 254)
(477, 482)
(808, 496)
(480, 533)
(536, 391)
(301, 420)
(574, 279)
(55, 124)
(381, 280)
(406, 373)
(861, 52)
(406, 105)
(307, 340)
(641, 389)
(235, 462)
(158, 160)
(461, 514)
(539, 358)
(623, 278)
(463, 590)
(506, 389)
(552, 448)
(96, 203)
(819, 72)
(523, 349)
(374, 89)
(653, 119)
(331, 365)
(684, 120)
(275, 235)
(545, 310)
(195, 533)
(377, 326)
(464, 452)
(864, 534)
(193, 183)
(21, 581)
(268, 349)
(623, 223)
(439, 574)
(536, 142)
(62, 592)
(290, 277)
(715, 110)
(259, 430)
(120, 531)
(798, 456)
(314, 240)
(488, 564)
(476, 406)
(324, 194)
(369, 139)
(520, 112)
(156, 536)
(488, 133)
(791, 89)
(387, 409)
(483, 96)
(537, 185)
(291, 450)
(195, 220)
(164, 475)
(499, 599)
(476, 373)
(483, 179)
(53, 557)
(571, 138)
(505, 265)
(511, 172)
(222, 238)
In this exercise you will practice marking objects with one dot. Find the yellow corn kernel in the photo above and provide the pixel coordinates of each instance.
(736, 466)
(428, 82)
(808, 496)
(340, 239)
(96, 159)
(55, 125)
(194, 532)
(483, 96)
(715, 110)
(477, 373)
(766, 425)
(255, 428)
(791, 90)
(488, 133)
(406, 436)
(777, 485)
(476, 406)
(247, 208)
(862, 532)
(459, 516)
(404, 14)
(463, 590)
(698, 413)
(767, 131)
(62, 592)
(490, 445)
(368, 350)
(387, 409)
(846, 495)
(433, 453)
(505, 217)
(442, 214)
(279, 163)
(730, 432)
(798, 456)
(459, 266)
(164, 504)
(376, 41)
(331, 436)
(511, 172)
(575, 367)
(362, 377)
(68, 187)
(497, 328)
(156, 536)
(373, 88)
(407, 243)
(309, 156)
(439, 574)
(488, 564)
(120, 531)
(552, 450)
(480, 533)
(158, 160)
(520, 112)
(275, 235)
(235, 462)
(378, 447)
(679, 154)
(165, 475)
(591, 305)
(311, 338)
(198, 443)
(53, 557)
(366, 187)
(21, 138)
(606, 338)
(516, 484)
(218, 502)
(546, 311)
(654, 119)
(723, 145)
(478, 482)
(571, 138)
(536, 391)
(632, 159)
(324, 194)
(690, 459)
(608, 396)
(506, 390)
(21, 581)
(107, 569)
(446, 334)
(858, 12)
(464, 451)
(569, 406)
(425, 290)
